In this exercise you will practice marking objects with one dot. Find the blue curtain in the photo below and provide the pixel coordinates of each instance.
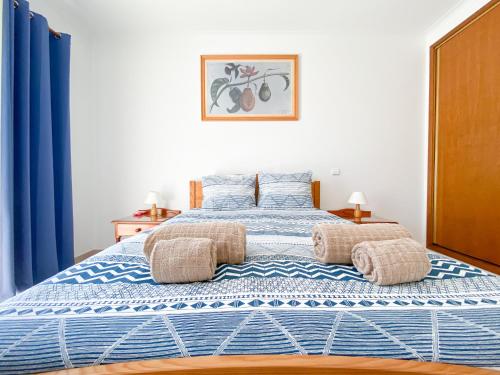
(42, 200)
(7, 286)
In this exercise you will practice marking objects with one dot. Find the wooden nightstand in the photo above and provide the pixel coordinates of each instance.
(366, 217)
(131, 225)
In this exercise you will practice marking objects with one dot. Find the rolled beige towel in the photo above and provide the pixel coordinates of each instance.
(230, 238)
(333, 243)
(391, 261)
(183, 260)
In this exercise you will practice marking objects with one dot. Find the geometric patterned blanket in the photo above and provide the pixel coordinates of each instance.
(108, 309)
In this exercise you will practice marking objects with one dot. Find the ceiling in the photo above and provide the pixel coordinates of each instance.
(392, 16)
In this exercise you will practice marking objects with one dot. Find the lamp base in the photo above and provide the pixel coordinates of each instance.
(154, 211)
(357, 212)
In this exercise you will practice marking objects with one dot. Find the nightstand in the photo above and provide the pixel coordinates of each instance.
(366, 217)
(132, 225)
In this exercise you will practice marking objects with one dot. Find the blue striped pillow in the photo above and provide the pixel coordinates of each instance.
(228, 192)
(285, 190)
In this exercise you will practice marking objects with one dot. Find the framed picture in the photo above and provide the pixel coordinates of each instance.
(249, 87)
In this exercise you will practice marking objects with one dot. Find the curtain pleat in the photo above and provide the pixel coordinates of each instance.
(7, 285)
(43, 220)
(22, 196)
(59, 72)
(36, 203)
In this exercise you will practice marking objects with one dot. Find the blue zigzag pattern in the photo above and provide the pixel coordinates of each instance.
(288, 269)
(228, 192)
(292, 190)
(104, 272)
(101, 272)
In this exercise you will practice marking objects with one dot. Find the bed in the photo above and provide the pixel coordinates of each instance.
(281, 306)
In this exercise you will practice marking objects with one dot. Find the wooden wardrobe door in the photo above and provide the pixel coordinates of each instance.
(464, 188)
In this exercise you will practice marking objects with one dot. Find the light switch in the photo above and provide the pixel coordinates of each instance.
(335, 171)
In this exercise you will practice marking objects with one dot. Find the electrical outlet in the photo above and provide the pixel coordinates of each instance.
(335, 171)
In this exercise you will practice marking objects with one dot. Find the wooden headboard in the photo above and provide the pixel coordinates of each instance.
(196, 193)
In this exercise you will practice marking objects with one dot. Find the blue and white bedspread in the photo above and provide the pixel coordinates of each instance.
(280, 301)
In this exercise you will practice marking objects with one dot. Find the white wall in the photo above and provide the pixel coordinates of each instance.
(83, 130)
(360, 110)
(453, 18)
(136, 118)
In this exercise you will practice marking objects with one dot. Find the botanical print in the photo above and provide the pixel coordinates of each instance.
(249, 88)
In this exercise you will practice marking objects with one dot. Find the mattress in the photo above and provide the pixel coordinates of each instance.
(108, 309)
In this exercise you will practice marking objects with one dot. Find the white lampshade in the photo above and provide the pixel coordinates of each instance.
(153, 198)
(358, 197)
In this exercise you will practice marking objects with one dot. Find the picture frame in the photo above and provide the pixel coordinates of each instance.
(249, 87)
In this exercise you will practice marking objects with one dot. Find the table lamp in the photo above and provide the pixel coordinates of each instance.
(357, 198)
(153, 199)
